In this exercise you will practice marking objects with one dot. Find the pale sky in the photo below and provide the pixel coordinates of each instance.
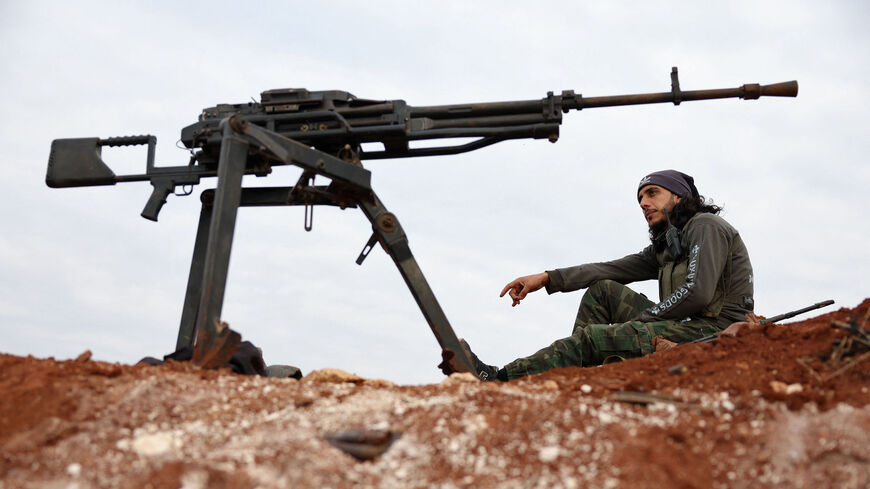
(79, 269)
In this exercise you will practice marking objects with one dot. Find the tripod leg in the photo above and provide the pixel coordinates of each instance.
(231, 168)
(395, 242)
(194, 280)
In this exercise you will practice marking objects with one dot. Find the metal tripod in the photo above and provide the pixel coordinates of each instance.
(350, 187)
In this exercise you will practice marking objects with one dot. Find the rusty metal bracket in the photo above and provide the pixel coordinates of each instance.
(370, 244)
(552, 108)
(575, 101)
(215, 345)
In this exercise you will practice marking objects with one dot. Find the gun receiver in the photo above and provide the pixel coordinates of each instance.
(323, 133)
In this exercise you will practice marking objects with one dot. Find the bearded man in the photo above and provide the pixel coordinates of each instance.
(704, 276)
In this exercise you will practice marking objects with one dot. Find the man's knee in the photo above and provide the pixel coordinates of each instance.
(599, 293)
(627, 340)
(608, 301)
(613, 292)
(603, 288)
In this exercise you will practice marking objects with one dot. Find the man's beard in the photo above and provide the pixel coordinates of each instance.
(657, 235)
(680, 214)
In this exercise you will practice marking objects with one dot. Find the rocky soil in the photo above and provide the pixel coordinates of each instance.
(779, 407)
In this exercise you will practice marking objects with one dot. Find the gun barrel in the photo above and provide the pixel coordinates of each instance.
(792, 314)
(749, 91)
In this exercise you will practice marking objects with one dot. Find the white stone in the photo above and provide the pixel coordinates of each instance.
(549, 454)
(586, 388)
(74, 469)
(152, 444)
(460, 378)
(196, 479)
(453, 446)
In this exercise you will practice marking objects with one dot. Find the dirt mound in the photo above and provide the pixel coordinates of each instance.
(776, 407)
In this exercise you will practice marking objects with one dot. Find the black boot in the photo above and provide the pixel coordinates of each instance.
(484, 372)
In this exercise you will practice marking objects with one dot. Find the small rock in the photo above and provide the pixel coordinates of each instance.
(74, 469)
(782, 388)
(332, 376)
(84, 356)
(379, 383)
(283, 372)
(195, 479)
(678, 369)
(605, 417)
(550, 385)
(586, 388)
(549, 454)
(152, 444)
(778, 387)
(460, 378)
(362, 444)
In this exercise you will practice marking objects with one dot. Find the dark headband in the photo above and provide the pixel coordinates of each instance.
(677, 182)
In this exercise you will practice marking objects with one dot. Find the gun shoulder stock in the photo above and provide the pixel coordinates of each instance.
(77, 163)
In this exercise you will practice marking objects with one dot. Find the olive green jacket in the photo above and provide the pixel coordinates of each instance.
(712, 278)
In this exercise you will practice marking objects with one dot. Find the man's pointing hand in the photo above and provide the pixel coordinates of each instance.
(522, 286)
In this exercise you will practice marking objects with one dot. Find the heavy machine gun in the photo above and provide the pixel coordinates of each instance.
(324, 133)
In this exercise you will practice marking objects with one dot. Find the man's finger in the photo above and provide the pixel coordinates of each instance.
(524, 291)
(515, 293)
(507, 287)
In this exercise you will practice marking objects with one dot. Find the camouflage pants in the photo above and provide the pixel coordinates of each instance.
(603, 331)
